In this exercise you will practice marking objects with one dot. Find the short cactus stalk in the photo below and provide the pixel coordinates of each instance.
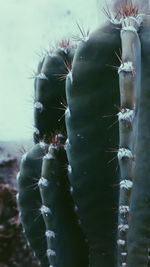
(65, 241)
(92, 213)
(29, 200)
(50, 91)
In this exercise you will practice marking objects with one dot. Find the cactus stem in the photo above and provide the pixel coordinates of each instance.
(129, 79)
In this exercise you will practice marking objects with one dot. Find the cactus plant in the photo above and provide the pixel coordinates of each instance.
(50, 91)
(109, 211)
(139, 222)
(29, 200)
(34, 196)
(65, 241)
(92, 93)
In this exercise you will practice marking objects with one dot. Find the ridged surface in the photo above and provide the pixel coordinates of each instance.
(92, 95)
(50, 92)
(139, 232)
(29, 201)
(66, 244)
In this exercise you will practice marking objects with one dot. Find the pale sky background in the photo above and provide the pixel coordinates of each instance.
(27, 26)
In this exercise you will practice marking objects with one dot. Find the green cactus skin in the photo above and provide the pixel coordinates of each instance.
(29, 200)
(92, 90)
(66, 246)
(49, 93)
(130, 81)
(139, 230)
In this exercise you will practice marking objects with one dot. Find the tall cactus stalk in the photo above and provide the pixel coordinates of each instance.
(139, 231)
(130, 82)
(92, 90)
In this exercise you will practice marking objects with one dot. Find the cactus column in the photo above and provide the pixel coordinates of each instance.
(65, 241)
(92, 90)
(50, 92)
(130, 81)
(139, 230)
(29, 200)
